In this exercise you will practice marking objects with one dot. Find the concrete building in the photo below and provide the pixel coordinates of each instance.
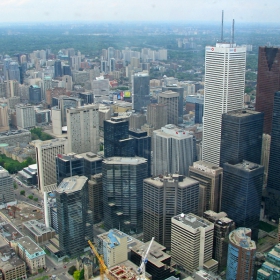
(13, 101)
(140, 91)
(192, 242)
(243, 180)
(164, 198)
(241, 255)
(271, 267)
(210, 178)
(100, 86)
(83, 129)
(113, 246)
(13, 137)
(266, 140)
(11, 266)
(123, 192)
(4, 118)
(95, 192)
(136, 121)
(171, 100)
(173, 151)
(222, 228)
(25, 116)
(31, 253)
(7, 194)
(75, 221)
(157, 115)
(223, 62)
(241, 136)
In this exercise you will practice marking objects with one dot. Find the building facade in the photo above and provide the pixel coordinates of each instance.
(6, 188)
(225, 65)
(83, 129)
(35, 94)
(241, 255)
(164, 198)
(241, 194)
(241, 136)
(157, 115)
(4, 118)
(140, 91)
(26, 117)
(267, 83)
(123, 193)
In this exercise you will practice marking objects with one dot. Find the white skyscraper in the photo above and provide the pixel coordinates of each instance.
(172, 151)
(224, 90)
(83, 129)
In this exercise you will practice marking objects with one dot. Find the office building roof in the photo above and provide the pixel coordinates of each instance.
(125, 160)
(71, 184)
(193, 221)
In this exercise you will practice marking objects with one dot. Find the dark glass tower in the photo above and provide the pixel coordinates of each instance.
(268, 83)
(123, 193)
(57, 69)
(66, 70)
(75, 220)
(241, 194)
(272, 201)
(241, 136)
(140, 91)
(35, 94)
(116, 138)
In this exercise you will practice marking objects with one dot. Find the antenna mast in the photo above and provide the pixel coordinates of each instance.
(222, 29)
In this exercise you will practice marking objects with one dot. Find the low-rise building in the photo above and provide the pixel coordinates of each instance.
(13, 137)
(31, 253)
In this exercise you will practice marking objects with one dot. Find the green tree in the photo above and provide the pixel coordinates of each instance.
(22, 192)
(35, 198)
(15, 185)
(77, 274)
(30, 196)
(82, 275)
(72, 269)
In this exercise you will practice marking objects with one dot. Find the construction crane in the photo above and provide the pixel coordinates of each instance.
(142, 268)
(102, 266)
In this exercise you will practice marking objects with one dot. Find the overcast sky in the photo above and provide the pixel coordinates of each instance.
(139, 10)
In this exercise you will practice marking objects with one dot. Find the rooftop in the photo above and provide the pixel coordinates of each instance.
(71, 184)
(193, 221)
(242, 113)
(30, 246)
(240, 237)
(125, 160)
(37, 227)
(247, 165)
(14, 132)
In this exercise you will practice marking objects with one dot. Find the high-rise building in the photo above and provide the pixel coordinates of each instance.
(272, 201)
(66, 70)
(123, 193)
(136, 120)
(157, 115)
(116, 138)
(241, 136)
(35, 94)
(75, 223)
(26, 117)
(83, 129)
(173, 151)
(241, 255)
(222, 228)
(95, 196)
(192, 242)
(271, 267)
(210, 179)
(6, 187)
(267, 83)
(57, 69)
(180, 90)
(4, 118)
(171, 100)
(241, 194)
(14, 73)
(225, 62)
(164, 198)
(266, 140)
(140, 91)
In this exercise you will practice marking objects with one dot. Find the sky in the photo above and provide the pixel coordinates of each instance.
(137, 10)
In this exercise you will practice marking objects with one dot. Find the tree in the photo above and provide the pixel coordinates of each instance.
(77, 274)
(82, 275)
(35, 198)
(30, 196)
(72, 269)
(22, 192)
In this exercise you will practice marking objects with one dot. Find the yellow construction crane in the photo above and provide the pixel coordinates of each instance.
(102, 266)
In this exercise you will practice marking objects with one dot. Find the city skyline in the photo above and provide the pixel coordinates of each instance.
(85, 10)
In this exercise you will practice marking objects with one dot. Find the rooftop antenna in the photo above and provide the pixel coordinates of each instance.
(222, 29)
(232, 32)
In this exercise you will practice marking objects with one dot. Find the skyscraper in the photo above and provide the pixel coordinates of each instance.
(241, 255)
(83, 129)
(14, 73)
(157, 115)
(140, 91)
(241, 194)
(241, 136)
(272, 201)
(123, 193)
(57, 69)
(224, 90)
(75, 220)
(192, 242)
(164, 198)
(171, 100)
(25, 116)
(172, 151)
(210, 179)
(268, 83)
(35, 94)
(6, 187)
(4, 118)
